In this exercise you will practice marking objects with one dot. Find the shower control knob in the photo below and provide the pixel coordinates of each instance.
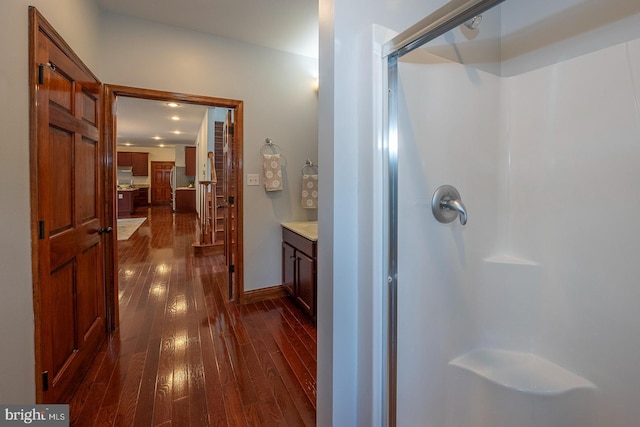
(446, 205)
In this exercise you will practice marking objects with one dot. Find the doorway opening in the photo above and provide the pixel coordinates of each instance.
(230, 207)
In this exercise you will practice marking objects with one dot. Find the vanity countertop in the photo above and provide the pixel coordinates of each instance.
(307, 229)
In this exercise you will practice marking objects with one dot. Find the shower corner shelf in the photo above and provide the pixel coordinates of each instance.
(521, 372)
(510, 259)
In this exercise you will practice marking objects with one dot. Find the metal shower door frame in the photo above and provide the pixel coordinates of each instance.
(449, 16)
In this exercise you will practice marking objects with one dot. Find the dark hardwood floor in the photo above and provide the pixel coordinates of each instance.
(184, 355)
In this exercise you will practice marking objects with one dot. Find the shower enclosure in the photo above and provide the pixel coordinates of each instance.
(528, 314)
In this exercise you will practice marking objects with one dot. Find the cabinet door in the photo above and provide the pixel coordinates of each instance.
(190, 161)
(141, 198)
(125, 159)
(125, 202)
(288, 268)
(140, 163)
(306, 284)
(186, 200)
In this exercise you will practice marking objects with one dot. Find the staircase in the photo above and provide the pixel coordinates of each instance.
(219, 165)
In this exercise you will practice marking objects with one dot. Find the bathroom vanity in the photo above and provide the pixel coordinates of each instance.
(299, 252)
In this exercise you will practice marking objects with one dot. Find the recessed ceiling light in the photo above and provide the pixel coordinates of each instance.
(175, 118)
(128, 144)
(161, 145)
(172, 104)
(156, 137)
(177, 132)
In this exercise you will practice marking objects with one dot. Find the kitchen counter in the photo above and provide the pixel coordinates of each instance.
(307, 229)
(130, 188)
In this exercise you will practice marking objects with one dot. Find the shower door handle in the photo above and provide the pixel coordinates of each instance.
(447, 205)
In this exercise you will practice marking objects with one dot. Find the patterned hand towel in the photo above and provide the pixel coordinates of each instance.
(272, 172)
(310, 191)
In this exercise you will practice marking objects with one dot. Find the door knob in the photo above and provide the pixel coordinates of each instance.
(103, 230)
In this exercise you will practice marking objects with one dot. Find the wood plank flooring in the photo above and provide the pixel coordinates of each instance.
(184, 355)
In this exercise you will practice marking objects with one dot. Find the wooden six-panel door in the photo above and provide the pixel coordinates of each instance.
(68, 213)
(161, 182)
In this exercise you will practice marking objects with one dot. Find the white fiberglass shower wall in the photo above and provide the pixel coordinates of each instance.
(528, 315)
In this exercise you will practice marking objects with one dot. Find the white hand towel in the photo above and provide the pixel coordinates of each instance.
(310, 191)
(272, 172)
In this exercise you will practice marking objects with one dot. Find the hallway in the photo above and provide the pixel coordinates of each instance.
(184, 355)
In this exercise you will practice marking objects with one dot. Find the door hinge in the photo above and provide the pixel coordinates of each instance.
(41, 71)
(41, 230)
(232, 268)
(40, 74)
(231, 199)
(45, 381)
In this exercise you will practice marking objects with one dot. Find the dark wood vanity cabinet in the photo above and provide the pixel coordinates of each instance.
(299, 270)
(289, 268)
(306, 286)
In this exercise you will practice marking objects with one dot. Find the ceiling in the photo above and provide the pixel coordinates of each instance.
(286, 25)
(146, 123)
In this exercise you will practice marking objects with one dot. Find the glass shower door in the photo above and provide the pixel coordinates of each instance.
(526, 315)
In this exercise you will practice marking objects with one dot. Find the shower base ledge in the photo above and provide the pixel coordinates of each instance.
(524, 372)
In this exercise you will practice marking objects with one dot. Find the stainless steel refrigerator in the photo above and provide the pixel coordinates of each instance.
(178, 180)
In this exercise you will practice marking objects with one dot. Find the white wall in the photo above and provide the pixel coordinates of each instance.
(574, 200)
(77, 21)
(279, 103)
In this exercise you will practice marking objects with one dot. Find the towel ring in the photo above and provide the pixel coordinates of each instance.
(269, 147)
(309, 166)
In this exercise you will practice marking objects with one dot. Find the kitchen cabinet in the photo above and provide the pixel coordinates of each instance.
(125, 158)
(125, 202)
(138, 161)
(299, 275)
(190, 161)
(141, 197)
(185, 200)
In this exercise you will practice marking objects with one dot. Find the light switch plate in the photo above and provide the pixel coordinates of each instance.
(253, 179)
